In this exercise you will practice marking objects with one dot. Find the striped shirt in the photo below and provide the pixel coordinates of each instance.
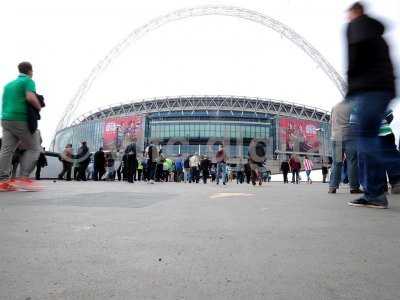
(308, 165)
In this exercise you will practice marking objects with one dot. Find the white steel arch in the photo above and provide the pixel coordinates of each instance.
(230, 11)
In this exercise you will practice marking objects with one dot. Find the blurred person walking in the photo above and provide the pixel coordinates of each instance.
(295, 167)
(18, 96)
(390, 152)
(285, 169)
(371, 87)
(308, 167)
(344, 149)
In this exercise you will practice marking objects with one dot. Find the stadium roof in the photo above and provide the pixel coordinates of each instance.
(208, 103)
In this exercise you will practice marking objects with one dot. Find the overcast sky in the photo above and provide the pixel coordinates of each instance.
(204, 55)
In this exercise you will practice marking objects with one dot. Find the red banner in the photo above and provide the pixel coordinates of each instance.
(121, 131)
(297, 135)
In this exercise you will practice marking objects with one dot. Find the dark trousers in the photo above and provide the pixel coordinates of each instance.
(98, 173)
(82, 171)
(159, 172)
(206, 174)
(139, 175)
(67, 168)
(349, 168)
(324, 178)
(76, 172)
(248, 177)
(119, 173)
(37, 173)
(151, 170)
(369, 110)
(285, 177)
(194, 171)
(240, 177)
(179, 175)
(131, 165)
(295, 176)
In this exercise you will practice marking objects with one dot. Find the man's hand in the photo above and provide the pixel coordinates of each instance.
(33, 100)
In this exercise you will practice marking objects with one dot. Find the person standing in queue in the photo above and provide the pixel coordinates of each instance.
(153, 157)
(67, 162)
(205, 166)
(41, 163)
(99, 165)
(131, 162)
(194, 164)
(83, 156)
(221, 159)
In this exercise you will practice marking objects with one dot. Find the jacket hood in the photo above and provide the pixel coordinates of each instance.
(364, 28)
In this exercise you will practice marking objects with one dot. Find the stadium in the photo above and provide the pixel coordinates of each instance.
(199, 124)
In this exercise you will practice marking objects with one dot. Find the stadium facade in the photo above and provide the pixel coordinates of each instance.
(198, 124)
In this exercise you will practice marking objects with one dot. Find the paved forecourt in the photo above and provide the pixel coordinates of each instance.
(107, 240)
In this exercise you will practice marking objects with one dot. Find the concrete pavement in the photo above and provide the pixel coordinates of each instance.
(102, 240)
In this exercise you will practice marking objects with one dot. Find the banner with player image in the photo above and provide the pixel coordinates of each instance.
(119, 132)
(297, 135)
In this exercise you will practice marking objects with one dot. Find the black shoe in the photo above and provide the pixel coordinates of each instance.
(378, 205)
(332, 191)
(356, 191)
(361, 202)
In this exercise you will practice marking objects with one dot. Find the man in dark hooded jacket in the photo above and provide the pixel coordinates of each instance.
(99, 165)
(84, 160)
(131, 162)
(371, 87)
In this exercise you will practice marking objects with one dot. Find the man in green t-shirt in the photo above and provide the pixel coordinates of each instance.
(17, 95)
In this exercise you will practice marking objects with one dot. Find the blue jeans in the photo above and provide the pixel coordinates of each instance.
(308, 173)
(369, 110)
(350, 149)
(221, 171)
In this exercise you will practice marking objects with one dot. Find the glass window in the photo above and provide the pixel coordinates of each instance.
(234, 133)
(247, 132)
(212, 130)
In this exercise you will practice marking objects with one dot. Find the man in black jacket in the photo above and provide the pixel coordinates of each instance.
(41, 163)
(285, 169)
(205, 166)
(99, 165)
(131, 162)
(84, 160)
(371, 87)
